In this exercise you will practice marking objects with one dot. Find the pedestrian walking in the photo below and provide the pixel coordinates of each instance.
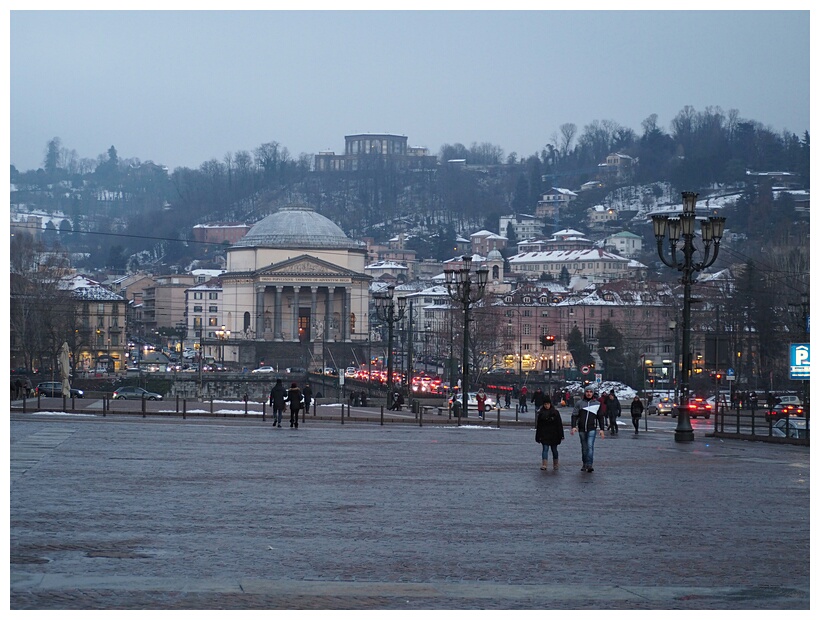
(636, 411)
(585, 420)
(278, 394)
(507, 399)
(538, 398)
(307, 393)
(613, 410)
(522, 401)
(480, 400)
(549, 432)
(295, 399)
(28, 387)
(602, 400)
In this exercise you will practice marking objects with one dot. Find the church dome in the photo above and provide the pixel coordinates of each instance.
(495, 255)
(296, 226)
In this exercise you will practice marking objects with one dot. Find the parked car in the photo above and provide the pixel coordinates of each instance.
(698, 406)
(264, 369)
(131, 392)
(55, 389)
(295, 370)
(789, 427)
(472, 403)
(663, 405)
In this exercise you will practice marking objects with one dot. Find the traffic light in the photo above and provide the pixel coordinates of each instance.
(547, 341)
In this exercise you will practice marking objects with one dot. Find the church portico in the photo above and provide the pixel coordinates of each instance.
(296, 280)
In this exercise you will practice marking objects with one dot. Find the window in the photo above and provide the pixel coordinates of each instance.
(197, 308)
(213, 295)
(212, 321)
(100, 340)
(527, 313)
(100, 321)
(197, 322)
(115, 321)
(197, 295)
(527, 327)
(115, 340)
(213, 309)
(509, 330)
(545, 313)
(100, 308)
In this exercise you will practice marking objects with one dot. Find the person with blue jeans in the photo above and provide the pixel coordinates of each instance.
(585, 422)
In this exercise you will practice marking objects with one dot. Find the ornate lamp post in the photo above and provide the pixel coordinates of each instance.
(223, 334)
(682, 229)
(465, 290)
(386, 311)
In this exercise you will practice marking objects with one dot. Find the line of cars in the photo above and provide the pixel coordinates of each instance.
(789, 405)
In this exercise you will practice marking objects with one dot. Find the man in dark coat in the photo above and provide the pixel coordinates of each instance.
(295, 400)
(277, 402)
(636, 410)
(613, 412)
(538, 398)
(585, 423)
(308, 394)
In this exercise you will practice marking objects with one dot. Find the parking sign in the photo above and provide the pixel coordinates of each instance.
(799, 361)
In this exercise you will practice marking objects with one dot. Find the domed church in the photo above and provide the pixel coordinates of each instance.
(296, 277)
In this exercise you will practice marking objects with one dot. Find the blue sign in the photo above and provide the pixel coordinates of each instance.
(799, 361)
(730, 372)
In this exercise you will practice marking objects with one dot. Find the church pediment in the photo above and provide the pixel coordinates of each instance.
(304, 268)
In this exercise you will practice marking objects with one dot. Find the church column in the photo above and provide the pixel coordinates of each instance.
(260, 311)
(346, 314)
(277, 314)
(328, 312)
(295, 319)
(314, 324)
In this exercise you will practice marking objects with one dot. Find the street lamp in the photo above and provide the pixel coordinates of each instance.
(462, 288)
(673, 326)
(386, 311)
(223, 334)
(674, 228)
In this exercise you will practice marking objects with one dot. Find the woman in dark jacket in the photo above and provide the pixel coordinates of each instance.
(549, 431)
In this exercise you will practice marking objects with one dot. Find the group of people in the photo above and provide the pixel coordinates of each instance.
(295, 397)
(591, 415)
(21, 388)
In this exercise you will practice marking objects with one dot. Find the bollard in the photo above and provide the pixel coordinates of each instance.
(498, 414)
(73, 403)
(184, 407)
(64, 399)
(382, 415)
(263, 410)
(103, 405)
(246, 404)
(24, 404)
(304, 412)
(516, 413)
(38, 401)
(419, 410)
(343, 413)
(143, 406)
(176, 404)
(212, 406)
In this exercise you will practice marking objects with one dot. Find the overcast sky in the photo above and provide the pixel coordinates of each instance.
(180, 88)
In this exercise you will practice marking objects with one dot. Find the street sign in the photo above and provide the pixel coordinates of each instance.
(799, 361)
(584, 370)
(730, 374)
(598, 377)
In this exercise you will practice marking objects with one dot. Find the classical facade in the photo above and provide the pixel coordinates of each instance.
(296, 277)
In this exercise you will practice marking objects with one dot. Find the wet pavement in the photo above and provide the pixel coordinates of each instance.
(125, 512)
